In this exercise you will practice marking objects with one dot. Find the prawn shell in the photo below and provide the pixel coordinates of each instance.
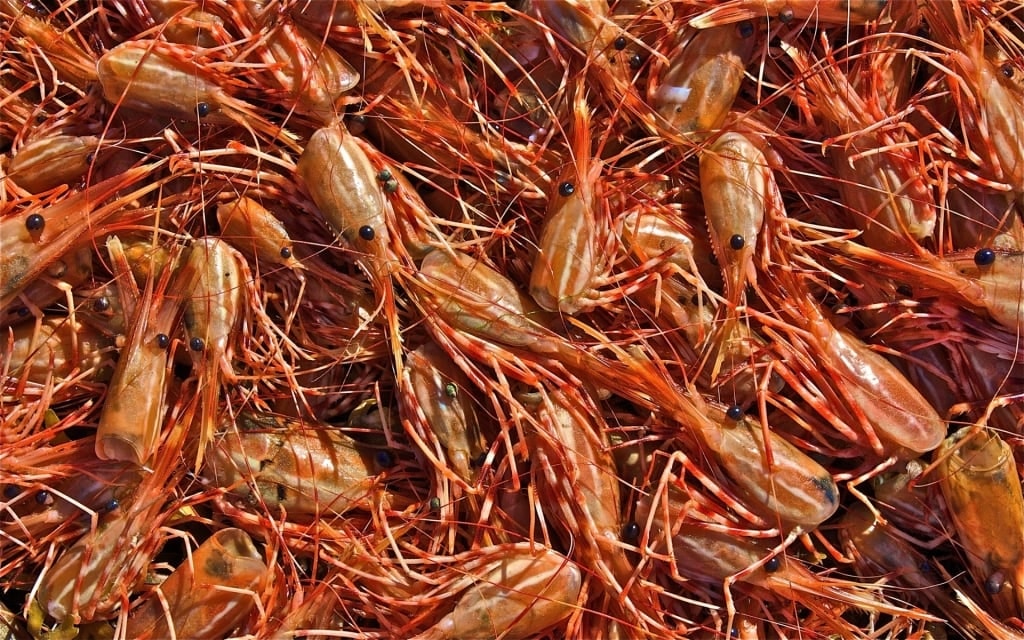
(279, 462)
(441, 390)
(329, 75)
(142, 75)
(703, 79)
(50, 162)
(205, 596)
(57, 349)
(342, 181)
(734, 182)
(526, 593)
(795, 488)
(253, 229)
(900, 415)
(569, 256)
(982, 489)
(480, 300)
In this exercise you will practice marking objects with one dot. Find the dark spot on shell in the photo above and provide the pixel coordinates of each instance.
(217, 566)
(35, 222)
(367, 233)
(773, 565)
(828, 489)
(984, 257)
(162, 340)
(196, 344)
(735, 412)
(566, 189)
(479, 460)
(282, 493)
(737, 242)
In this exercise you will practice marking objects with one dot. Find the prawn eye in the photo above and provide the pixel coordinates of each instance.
(566, 189)
(286, 253)
(196, 344)
(203, 109)
(384, 459)
(390, 185)
(383, 175)
(620, 43)
(745, 29)
(35, 222)
(101, 304)
(773, 565)
(451, 390)
(162, 340)
(503, 178)
(11, 490)
(480, 460)
(737, 242)
(984, 257)
(1006, 70)
(905, 290)
(635, 61)
(994, 583)
(786, 16)
(631, 531)
(735, 412)
(435, 504)
(44, 498)
(366, 233)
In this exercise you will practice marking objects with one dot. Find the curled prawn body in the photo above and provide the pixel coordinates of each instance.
(303, 468)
